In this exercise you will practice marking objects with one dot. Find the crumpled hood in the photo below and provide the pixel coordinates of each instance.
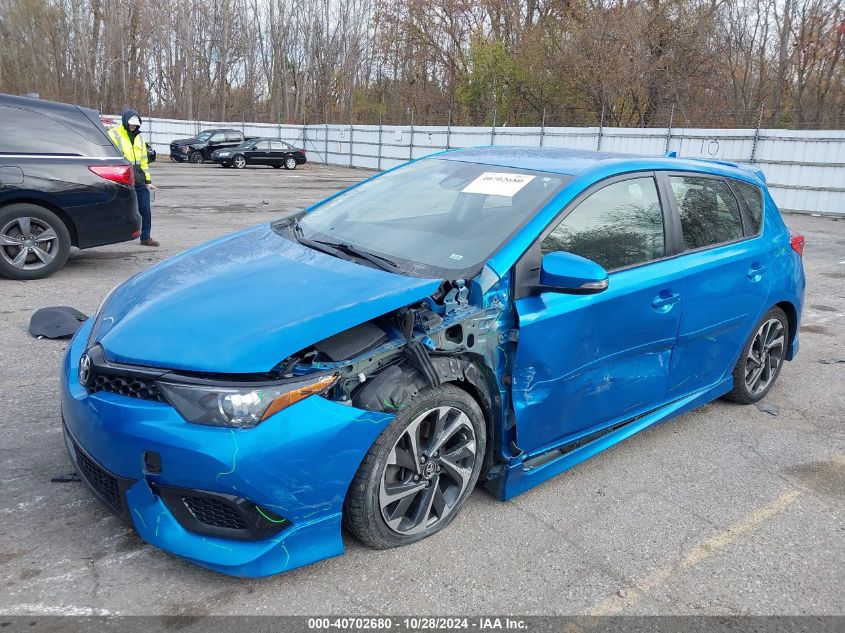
(243, 303)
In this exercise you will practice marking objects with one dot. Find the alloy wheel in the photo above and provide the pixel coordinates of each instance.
(28, 243)
(290, 163)
(428, 470)
(239, 162)
(765, 356)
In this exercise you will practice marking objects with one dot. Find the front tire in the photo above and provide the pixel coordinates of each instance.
(239, 162)
(290, 162)
(761, 359)
(196, 158)
(420, 471)
(34, 242)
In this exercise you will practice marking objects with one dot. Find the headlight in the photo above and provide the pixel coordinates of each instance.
(185, 148)
(240, 406)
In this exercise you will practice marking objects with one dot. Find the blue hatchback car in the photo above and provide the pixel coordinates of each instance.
(491, 315)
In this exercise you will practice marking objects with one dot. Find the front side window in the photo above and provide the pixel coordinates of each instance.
(219, 137)
(753, 198)
(709, 212)
(619, 225)
(262, 145)
(437, 218)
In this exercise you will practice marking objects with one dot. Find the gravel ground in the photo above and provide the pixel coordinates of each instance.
(726, 510)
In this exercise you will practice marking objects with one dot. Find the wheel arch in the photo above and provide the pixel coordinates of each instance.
(462, 371)
(792, 321)
(49, 206)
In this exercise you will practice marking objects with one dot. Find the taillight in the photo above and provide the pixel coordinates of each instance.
(796, 241)
(122, 174)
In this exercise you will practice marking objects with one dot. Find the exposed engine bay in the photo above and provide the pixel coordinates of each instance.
(459, 334)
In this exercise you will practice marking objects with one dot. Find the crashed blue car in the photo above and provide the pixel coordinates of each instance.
(481, 317)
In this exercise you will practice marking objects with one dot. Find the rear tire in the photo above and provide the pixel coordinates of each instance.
(290, 162)
(420, 471)
(761, 360)
(34, 242)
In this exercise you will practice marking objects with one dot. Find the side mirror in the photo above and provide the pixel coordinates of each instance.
(571, 274)
(253, 147)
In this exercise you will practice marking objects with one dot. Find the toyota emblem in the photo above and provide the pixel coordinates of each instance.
(84, 369)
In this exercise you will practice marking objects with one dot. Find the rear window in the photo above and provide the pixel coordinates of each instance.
(25, 131)
(709, 212)
(752, 196)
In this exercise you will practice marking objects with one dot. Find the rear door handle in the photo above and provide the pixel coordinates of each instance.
(665, 301)
(755, 273)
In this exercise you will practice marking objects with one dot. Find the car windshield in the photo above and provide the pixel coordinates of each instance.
(434, 218)
(204, 136)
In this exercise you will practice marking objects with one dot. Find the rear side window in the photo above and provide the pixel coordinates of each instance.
(27, 132)
(278, 145)
(619, 225)
(709, 212)
(753, 199)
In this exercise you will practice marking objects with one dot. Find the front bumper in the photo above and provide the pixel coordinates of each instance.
(297, 464)
(178, 155)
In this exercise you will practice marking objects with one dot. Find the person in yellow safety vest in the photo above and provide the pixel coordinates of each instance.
(127, 138)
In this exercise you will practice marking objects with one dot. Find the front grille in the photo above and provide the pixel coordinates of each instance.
(103, 483)
(132, 386)
(215, 513)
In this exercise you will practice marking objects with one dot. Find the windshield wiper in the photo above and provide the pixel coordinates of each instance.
(382, 262)
(342, 250)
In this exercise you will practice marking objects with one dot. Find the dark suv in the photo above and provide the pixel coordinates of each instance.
(200, 147)
(62, 183)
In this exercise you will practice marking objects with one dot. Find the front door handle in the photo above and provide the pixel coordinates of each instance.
(755, 273)
(665, 301)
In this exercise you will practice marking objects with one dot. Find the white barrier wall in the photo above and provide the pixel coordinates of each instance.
(805, 169)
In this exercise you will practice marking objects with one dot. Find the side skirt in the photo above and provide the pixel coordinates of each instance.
(521, 476)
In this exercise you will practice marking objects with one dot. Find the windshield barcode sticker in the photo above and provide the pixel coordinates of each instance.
(494, 183)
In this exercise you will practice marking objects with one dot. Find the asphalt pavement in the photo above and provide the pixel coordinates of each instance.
(726, 510)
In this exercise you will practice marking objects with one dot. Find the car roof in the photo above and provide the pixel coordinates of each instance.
(574, 162)
(42, 105)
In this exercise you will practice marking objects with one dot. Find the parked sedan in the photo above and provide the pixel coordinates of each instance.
(262, 151)
(492, 315)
